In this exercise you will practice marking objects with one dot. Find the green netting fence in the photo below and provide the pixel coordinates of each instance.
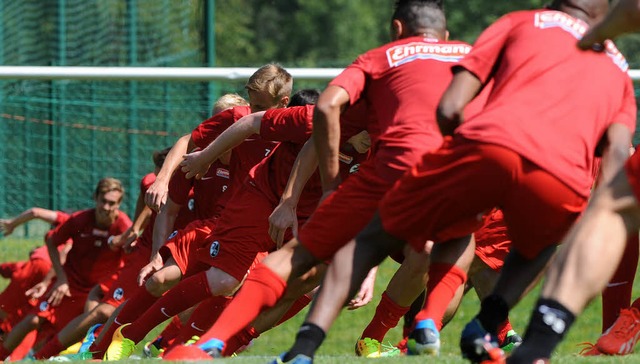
(58, 138)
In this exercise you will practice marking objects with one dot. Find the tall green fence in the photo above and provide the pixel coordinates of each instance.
(58, 138)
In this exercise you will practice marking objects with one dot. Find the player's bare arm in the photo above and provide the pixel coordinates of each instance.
(284, 215)
(8, 225)
(61, 286)
(326, 134)
(161, 230)
(616, 153)
(156, 195)
(142, 217)
(623, 18)
(463, 88)
(197, 164)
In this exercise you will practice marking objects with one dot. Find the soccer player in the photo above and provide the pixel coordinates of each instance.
(270, 86)
(414, 68)
(612, 218)
(18, 298)
(534, 160)
(136, 242)
(89, 262)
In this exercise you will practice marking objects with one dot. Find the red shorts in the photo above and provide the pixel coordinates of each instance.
(242, 233)
(632, 167)
(492, 240)
(127, 281)
(26, 275)
(448, 192)
(184, 243)
(348, 210)
(59, 316)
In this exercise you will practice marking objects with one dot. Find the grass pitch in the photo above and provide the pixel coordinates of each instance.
(339, 344)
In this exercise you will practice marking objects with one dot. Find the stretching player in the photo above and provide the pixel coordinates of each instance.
(613, 216)
(89, 262)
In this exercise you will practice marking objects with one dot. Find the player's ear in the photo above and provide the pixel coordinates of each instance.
(284, 101)
(446, 35)
(396, 29)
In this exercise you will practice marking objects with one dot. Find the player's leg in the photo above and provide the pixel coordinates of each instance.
(75, 330)
(577, 274)
(347, 271)
(403, 289)
(29, 323)
(263, 287)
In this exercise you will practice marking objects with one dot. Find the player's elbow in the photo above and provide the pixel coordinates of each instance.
(448, 115)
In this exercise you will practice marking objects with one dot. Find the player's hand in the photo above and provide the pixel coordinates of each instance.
(156, 195)
(154, 265)
(6, 227)
(283, 217)
(194, 165)
(37, 291)
(365, 295)
(130, 243)
(59, 292)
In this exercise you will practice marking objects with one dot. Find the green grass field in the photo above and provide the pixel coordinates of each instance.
(338, 347)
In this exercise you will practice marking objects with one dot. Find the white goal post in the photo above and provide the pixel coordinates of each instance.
(166, 73)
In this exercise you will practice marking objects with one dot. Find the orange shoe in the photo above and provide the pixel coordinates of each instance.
(622, 336)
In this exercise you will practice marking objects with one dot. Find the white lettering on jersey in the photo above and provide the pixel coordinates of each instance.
(409, 52)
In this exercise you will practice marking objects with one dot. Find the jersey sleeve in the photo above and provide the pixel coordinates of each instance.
(146, 182)
(208, 130)
(353, 78)
(179, 187)
(628, 110)
(293, 124)
(487, 49)
(65, 231)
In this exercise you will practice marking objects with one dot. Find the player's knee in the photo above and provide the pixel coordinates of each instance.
(221, 284)
(157, 285)
(102, 312)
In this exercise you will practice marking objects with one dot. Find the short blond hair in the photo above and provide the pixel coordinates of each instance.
(273, 79)
(108, 184)
(228, 100)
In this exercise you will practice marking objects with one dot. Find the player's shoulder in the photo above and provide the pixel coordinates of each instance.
(228, 115)
(123, 219)
(147, 181)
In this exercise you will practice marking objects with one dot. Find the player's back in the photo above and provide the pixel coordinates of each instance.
(406, 79)
(550, 101)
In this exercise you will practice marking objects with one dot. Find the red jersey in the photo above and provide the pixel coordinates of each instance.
(207, 195)
(550, 102)
(90, 260)
(402, 83)
(42, 252)
(292, 128)
(245, 155)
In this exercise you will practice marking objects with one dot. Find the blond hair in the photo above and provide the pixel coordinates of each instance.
(273, 79)
(108, 184)
(228, 100)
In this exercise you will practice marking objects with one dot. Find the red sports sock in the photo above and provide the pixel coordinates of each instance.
(297, 306)
(444, 280)
(170, 332)
(503, 329)
(185, 294)
(133, 308)
(617, 295)
(239, 340)
(25, 346)
(387, 315)
(52, 348)
(261, 290)
(202, 318)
